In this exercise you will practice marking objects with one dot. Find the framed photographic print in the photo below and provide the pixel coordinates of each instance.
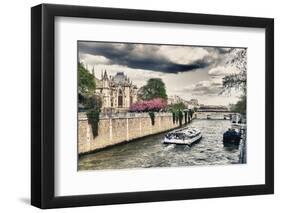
(139, 106)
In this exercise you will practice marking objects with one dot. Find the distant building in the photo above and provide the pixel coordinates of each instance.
(191, 104)
(194, 102)
(117, 92)
(175, 99)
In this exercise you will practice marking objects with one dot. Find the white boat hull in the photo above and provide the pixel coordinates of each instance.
(183, 142)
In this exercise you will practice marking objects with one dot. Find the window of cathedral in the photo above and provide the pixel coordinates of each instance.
(120, 98)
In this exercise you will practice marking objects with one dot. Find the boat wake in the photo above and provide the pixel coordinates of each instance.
(169, 147)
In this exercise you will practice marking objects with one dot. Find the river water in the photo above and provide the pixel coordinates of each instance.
(150, 152)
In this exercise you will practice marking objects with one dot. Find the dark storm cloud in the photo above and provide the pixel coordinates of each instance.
(139, 56)
(219, 50)
(224, 50)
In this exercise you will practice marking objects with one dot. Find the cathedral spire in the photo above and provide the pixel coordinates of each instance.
(105, 75)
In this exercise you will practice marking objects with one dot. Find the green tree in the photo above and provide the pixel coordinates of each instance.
(93, 105)
(93, 102)
(180, 117)
(155, 88)
(240, 106)
(176, 107)
(152, 117)
(185, 117)
(87, 97)
(190, 114)
(177, 111)
(86, 81)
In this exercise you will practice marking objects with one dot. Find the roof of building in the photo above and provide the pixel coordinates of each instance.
(120, 78)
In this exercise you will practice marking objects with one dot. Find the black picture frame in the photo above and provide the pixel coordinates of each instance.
(43, 102)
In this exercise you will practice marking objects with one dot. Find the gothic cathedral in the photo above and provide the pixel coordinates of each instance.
(117, 92)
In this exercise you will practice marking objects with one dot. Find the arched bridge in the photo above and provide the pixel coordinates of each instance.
(214, 114)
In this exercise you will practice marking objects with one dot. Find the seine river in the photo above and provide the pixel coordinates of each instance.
(150, 152)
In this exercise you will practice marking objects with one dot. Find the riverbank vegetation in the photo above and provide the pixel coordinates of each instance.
(177, 111)
(93, 108)
(86, 82)
(180, 112)
(240, 106)
(154, 88)
(153, 105)
(86, 93)
(152, 98)
(150, 106)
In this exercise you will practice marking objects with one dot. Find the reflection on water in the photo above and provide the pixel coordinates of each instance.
(150, 152)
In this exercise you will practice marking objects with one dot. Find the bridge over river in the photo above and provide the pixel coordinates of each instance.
(150, 152)
(214, 112)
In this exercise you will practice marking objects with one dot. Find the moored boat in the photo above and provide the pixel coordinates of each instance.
(231, 137)
(186, 136)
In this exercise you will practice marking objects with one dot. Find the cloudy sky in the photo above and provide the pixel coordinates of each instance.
(187, 71)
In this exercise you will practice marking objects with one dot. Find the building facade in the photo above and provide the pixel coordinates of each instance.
(175, 99)
(117, 92)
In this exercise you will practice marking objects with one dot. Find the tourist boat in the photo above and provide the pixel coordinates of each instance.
(186, 136)
(231, 137)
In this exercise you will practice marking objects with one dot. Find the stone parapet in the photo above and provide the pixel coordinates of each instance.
(120, 127)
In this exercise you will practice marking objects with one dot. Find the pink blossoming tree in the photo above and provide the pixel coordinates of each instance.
(154, 105)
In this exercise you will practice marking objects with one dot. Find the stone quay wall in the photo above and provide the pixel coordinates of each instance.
(117, 128)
